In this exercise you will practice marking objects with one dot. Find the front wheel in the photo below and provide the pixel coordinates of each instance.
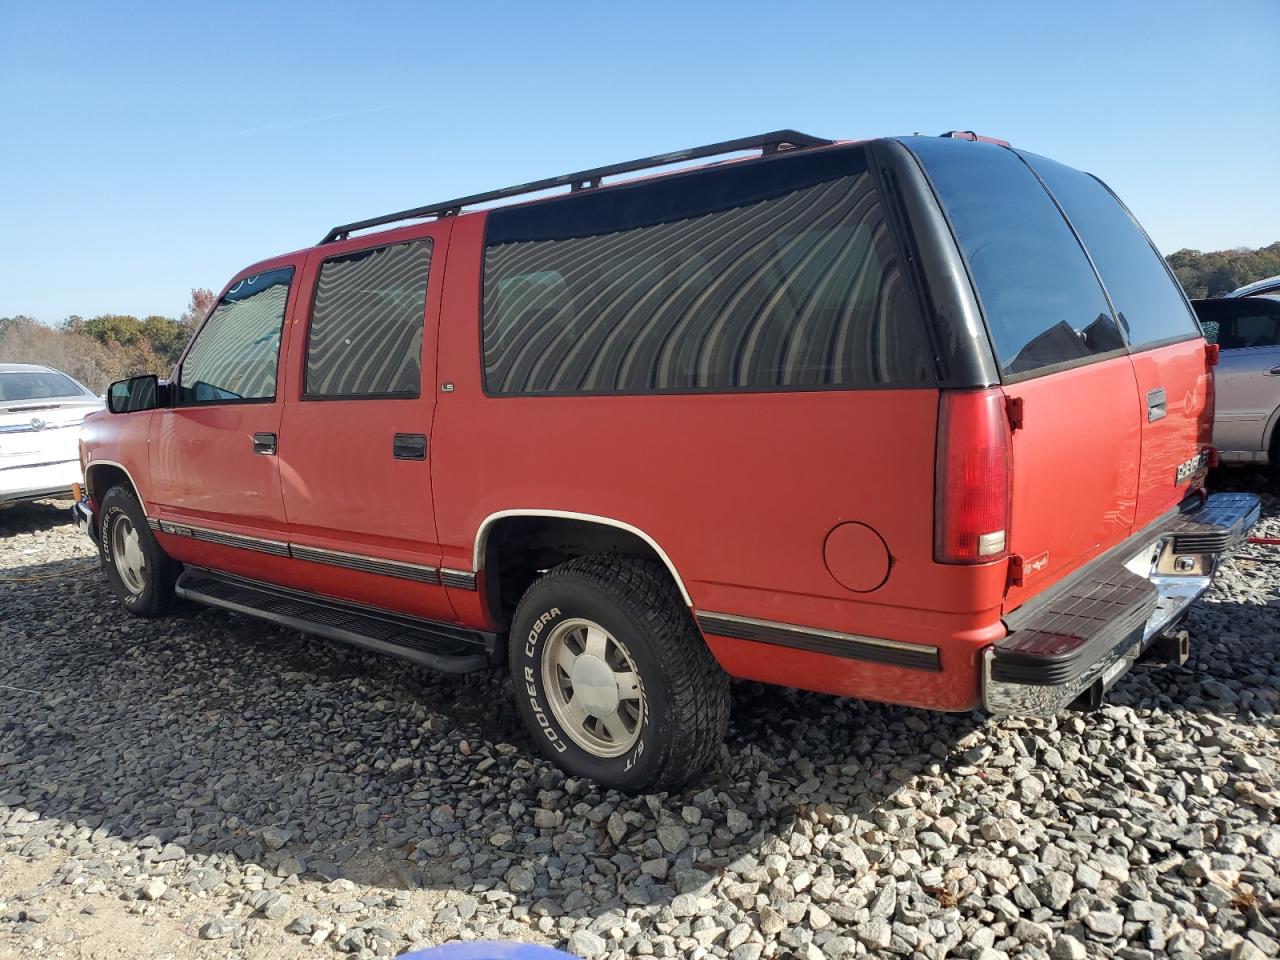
(140, 573)
(612, 677)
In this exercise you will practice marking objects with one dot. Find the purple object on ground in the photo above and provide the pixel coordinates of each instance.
(488, 950)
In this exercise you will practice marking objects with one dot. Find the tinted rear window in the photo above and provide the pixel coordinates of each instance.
(1042, 301)
(37, 385)
(759, 276)
(1150, 307)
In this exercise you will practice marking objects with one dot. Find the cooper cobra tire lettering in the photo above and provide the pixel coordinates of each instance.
(161, 571)
(683, 693)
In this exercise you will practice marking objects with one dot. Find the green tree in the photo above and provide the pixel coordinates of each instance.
(165, 336)
(1219, 272)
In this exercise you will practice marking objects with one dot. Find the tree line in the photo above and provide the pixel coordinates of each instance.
(104, 348)
(111, 346)
(1221, 271)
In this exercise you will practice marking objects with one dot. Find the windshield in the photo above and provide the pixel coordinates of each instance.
(38, 385)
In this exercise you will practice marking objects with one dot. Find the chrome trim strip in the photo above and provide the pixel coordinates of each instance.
(35, 466)
(461, 579)
(366, 564)
(27, 428)
(401, 569)
(482, 536)
(277, 548)
(849, 645)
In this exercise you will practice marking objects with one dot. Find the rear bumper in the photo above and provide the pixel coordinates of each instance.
(1091, 629)
(38, 481)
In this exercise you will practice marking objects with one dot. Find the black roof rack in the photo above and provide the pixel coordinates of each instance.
(766, 143)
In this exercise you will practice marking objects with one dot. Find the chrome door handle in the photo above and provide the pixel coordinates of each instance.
(1274, 372)
(1156, 405)
(264, 444)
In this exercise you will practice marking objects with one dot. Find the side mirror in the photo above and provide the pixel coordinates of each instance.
(134, 394)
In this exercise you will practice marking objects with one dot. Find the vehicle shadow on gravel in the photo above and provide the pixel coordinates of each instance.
(204, 736)
(225, 737)
(34, 517)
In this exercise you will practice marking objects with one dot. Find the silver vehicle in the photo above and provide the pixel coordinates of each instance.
(1270, 286)
(1247, 379)
(41, 410)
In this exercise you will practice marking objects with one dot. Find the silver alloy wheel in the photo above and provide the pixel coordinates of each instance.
(593, 687)
(126, 553)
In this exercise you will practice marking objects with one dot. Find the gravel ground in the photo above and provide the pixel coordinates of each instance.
(207, 786)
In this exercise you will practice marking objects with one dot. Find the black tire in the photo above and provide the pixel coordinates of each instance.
(684, 692)
(157, 576)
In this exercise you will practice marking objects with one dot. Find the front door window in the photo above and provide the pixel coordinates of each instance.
(235, 356)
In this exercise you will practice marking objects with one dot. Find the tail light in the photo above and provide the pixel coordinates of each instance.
(971, 489)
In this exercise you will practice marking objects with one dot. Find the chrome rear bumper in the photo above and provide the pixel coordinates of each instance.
(1178, 564)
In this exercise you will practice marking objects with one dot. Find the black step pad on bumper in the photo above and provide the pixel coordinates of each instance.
(1217, 526)
(440, 646)
(1071, 631)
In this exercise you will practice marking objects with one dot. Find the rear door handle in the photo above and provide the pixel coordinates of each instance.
(1274, 372)
(1156, 405)
(265, 444)
(409, 446)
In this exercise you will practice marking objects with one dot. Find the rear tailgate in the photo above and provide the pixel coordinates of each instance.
(1077, 432)
(1175, 389)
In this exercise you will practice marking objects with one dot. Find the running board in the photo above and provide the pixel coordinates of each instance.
(440, 646)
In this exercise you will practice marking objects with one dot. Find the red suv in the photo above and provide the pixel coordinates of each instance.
(922, 420)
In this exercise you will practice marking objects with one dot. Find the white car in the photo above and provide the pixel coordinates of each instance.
(41, 411)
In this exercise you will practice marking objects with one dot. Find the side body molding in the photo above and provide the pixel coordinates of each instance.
(482, 537)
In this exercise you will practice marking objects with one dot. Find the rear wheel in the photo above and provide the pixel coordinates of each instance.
(140, 573)
(612, 677)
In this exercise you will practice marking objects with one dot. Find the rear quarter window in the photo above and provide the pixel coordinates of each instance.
(774, 275)
(1042, 302)
(1147, 300)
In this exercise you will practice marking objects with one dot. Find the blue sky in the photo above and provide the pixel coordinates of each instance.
(151, 148)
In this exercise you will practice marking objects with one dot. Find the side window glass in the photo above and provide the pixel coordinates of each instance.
(235, 356)
(1252, 326)
(1041, 299)
(1146, 297)
(366, 329)
(776, 276)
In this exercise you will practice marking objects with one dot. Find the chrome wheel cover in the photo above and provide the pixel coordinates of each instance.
(593, 687)
(126, 554)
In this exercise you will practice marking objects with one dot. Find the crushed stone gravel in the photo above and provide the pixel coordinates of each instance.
(211, 786)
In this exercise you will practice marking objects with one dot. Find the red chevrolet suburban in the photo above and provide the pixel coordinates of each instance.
(923, 420)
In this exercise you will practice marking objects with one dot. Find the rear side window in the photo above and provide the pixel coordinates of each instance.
(1148, 303)
(766, 276)
(1241, 324)
(236, 353)
(1042, 301)
(365, 338)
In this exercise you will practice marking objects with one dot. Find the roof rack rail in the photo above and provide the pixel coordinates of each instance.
(766, 143)
(975, 137)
